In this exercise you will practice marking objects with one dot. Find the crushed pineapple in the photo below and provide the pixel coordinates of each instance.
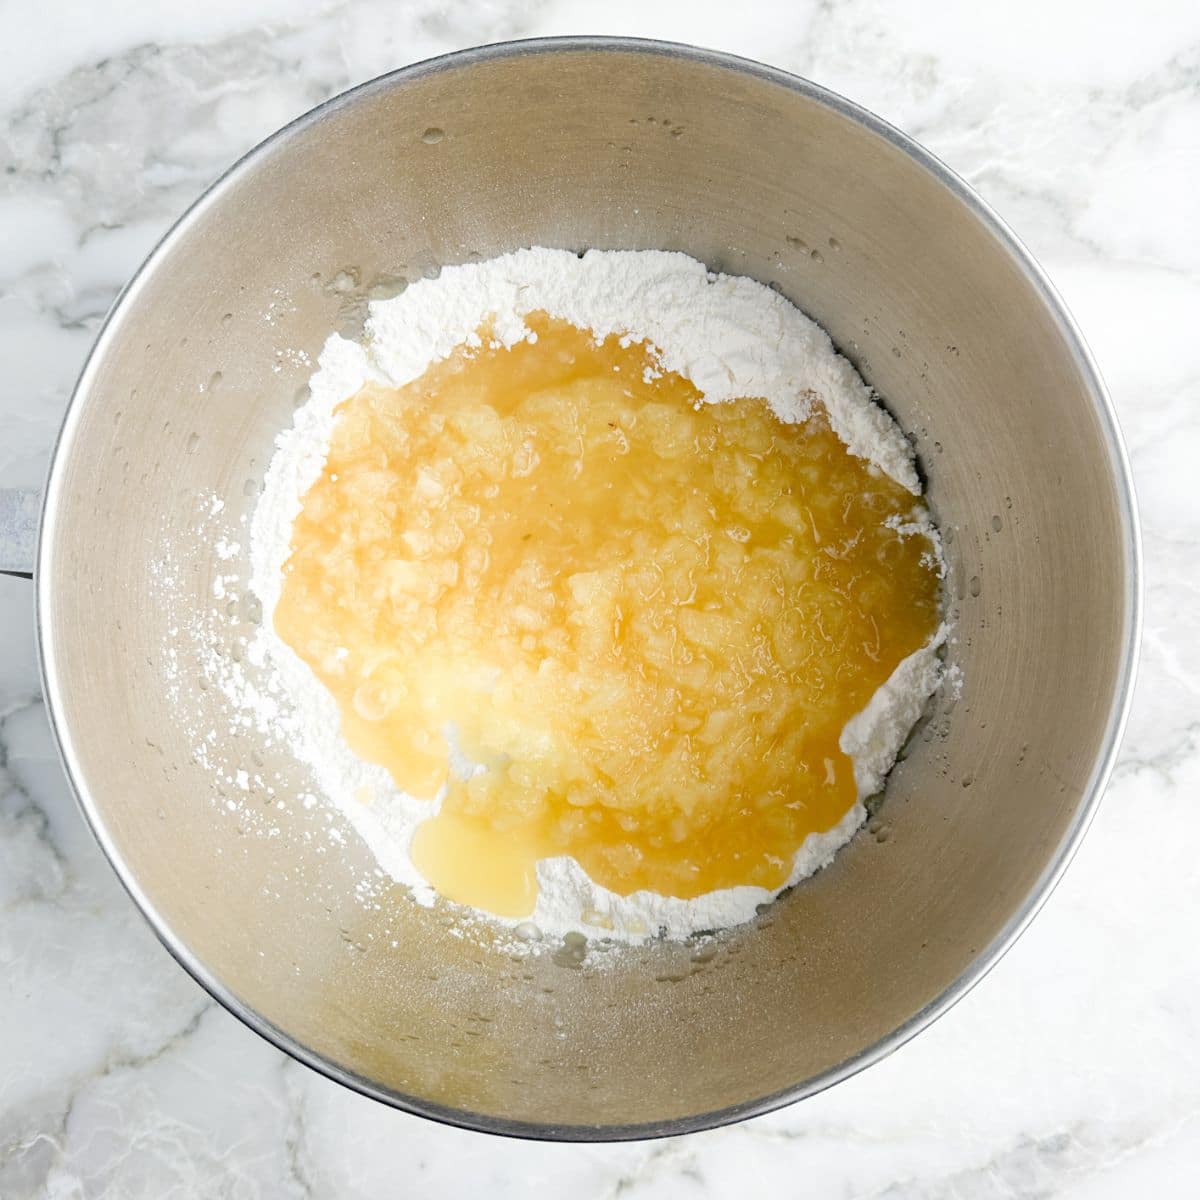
(648, 619)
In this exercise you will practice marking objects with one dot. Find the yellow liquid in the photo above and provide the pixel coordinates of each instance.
(651, 621)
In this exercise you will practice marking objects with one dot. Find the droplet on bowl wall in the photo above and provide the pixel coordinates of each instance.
(352, 318)
(387, 287)
(816, 256)
(834, 244)
(572, 952)
(192, 442)
(433, 135)
(997, 524)
(671, 977)
(975, 586)
(346, 280)
(250, 487)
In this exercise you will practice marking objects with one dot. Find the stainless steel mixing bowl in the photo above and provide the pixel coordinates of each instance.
(575, 143)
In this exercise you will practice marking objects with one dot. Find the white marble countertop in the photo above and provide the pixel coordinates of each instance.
(1073, 1070)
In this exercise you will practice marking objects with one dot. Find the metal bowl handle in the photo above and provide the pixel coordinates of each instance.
(18, 531)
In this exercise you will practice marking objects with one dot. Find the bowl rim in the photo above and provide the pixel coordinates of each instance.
(45, 583)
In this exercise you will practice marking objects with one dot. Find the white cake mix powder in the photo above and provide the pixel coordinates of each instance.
(731, 337)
